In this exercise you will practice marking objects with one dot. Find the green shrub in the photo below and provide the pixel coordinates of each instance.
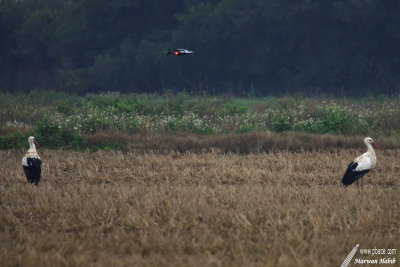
(309, 126)
(281, 123)
(205, 130)
(337, 120)
(245, 129)
(134, 126)
(234, 108)
(64, 106)
(52, 135)
(173, 125)
(95, 124)
(178, 104)
(13, 141)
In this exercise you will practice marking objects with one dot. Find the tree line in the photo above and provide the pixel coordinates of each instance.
(242, 47)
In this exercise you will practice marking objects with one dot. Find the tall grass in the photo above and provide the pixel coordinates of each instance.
(51, 115)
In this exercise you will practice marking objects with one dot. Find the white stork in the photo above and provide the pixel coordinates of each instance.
(31, 162)
(361, 165)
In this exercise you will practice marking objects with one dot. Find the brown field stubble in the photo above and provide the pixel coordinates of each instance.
(257, 142)
(195, 209)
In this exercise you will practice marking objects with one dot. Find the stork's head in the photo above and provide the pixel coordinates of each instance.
(369, 141)
(31, 141)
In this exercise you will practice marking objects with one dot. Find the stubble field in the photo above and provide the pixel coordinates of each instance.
(148, 208)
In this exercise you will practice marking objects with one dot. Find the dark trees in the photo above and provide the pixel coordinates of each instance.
(268, 47)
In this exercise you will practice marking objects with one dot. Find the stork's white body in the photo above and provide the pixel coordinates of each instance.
(31, 162)
(367, 160)
(360, 165)
(31, 153)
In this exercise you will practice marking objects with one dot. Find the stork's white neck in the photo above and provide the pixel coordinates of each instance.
(370, 148)
(32, 147)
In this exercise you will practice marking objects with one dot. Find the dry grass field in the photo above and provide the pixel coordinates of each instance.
(210, 208)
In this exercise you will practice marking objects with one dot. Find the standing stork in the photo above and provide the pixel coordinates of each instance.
(361, 165)
(31, 162)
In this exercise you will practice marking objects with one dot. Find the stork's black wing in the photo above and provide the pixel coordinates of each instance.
(351, 175)
(33, 170)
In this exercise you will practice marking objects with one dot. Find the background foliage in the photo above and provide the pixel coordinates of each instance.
(243, 47)
(59, 120)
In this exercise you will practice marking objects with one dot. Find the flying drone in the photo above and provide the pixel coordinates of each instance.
(180, 52)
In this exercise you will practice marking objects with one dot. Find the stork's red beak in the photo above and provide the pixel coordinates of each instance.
(36, 144)
(376, 146)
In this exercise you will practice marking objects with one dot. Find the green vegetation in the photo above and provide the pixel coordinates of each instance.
(63, 121)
